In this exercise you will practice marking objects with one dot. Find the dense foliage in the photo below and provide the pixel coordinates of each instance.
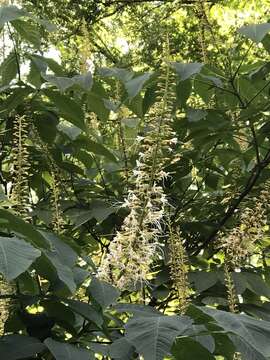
(134, 198)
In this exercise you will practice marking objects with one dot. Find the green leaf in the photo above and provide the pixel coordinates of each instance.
(187, 348)
(21, 227)
(121, 74)
(85, 81)
(203, 280)
(63, 83)
(153, 336)
(65, 351)
(15, 347)
(104, 293)
(42, 63)
(9, 69)
(255, 32)
(85, 310)
(67, 255)
(9, 13)
(64, 272)
(249, 334)
(67, 107)
(121, 349)
(62, 314)
(96, 104)
(195, 115)
(28, 32)
(185, 71)
(16, 256)
(183, 91)
(134, 86)
(94, 147)
(266, 43)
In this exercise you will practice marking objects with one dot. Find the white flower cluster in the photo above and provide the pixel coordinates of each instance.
(132, 250)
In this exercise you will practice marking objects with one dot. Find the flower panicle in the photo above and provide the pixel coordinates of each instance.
(132, 250)
(179, 268)
(21, 167)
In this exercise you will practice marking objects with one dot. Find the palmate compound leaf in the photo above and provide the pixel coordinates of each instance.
(152, 336)
(250, 336)
(65, 351)
(16, 256)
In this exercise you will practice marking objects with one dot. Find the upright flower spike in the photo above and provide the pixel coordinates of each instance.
(132, 250)
(20, 159)
(57, 220)
(19, 197)
(240, 243)
(179, 269)
(231, 293)
(57, 213)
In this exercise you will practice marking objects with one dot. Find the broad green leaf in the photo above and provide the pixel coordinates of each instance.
(187, 348)
(246, 349)
(85, 81)
(134, 86)
(67, 107)
(46, 123)
(33, 76)
(63, 270)
(85, 310)
(67, 255)
(195, 115)
(255, 32)
(183, 91)
(9, 13)
(121, 349)
(9, 69)
(16, 347)
(266, 42)
(104, 293)
(99, 210)
(17, 225)
(16, 256)
(65, 351)
(203, 280)
(43, 63)
(94, 147)
(28, 32)
(135, 105)
(61, 313)
(153, 336)
(251, 334)
(96, 104)
(69, 130)
(61, 82)
(185, 71)
(121, 74)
